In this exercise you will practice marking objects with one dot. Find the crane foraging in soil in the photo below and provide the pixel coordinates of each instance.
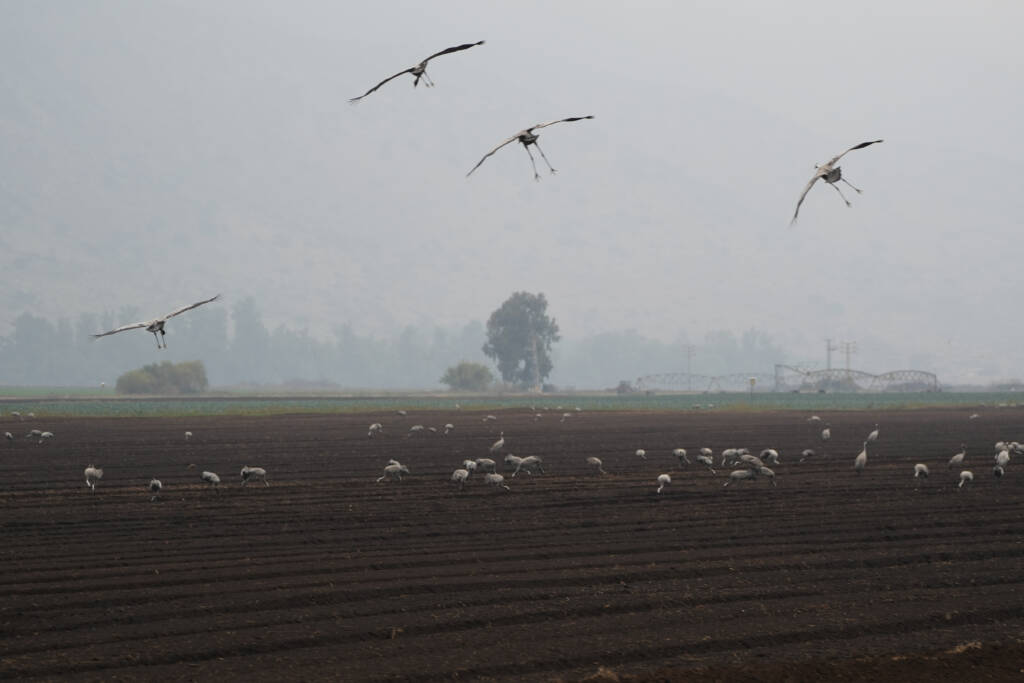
(486, 465)
(252, 474)
(460, 476)
(92, 475)
(212, 479)
(706, 460)
(496, 480)
(394, 472)
(740, 475)
(528, 465)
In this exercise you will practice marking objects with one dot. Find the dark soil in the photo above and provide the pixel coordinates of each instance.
(326, 574)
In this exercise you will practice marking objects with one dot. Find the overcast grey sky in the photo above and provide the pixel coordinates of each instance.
(154, 153)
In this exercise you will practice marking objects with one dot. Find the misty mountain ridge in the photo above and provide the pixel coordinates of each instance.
(150, 162)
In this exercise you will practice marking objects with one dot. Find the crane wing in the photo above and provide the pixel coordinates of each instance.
(133, 326)
(190, 307)
(807, 189)
(551, 123)
(457, 48)
(860, 146)
(356, 99)
(511, 139)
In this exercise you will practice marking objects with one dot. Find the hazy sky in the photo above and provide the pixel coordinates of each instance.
(155, 153)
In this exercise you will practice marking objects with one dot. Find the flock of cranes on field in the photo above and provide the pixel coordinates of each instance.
(750, 467)
(745, 466)
(94, 474)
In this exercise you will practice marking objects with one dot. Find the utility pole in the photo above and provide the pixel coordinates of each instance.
(848, 348)
(690, 350)
(829, 348)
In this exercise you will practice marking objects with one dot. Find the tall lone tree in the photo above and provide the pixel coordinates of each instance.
(519, 338)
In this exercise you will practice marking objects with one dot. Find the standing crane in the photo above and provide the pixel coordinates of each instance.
(499, 444)
(873, 436)
(419, 71)
(831, 174)
(528, 137)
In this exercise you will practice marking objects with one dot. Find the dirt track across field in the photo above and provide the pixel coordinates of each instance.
(326, 574)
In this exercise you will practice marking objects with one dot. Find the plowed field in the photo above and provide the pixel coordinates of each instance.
(326, 574)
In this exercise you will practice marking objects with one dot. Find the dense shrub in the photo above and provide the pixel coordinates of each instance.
(165, 378)
(468, 377)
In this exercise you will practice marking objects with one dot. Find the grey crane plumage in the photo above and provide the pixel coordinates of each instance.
(212, 479)
(92, 475)
(419, 71)
(705, 459)
(528, 137)
(831, 174)
(499, 444)
(155, 486)
(156, 325)
(958, 459)
(496, 480)
(248, 474)
(460, 476)
(861, 461)
(873, 436)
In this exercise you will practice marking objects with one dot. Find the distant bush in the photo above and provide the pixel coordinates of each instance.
(165, 378)
(468, 377)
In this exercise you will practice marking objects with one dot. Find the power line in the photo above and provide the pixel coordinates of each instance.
(829, 348)
(848, 348)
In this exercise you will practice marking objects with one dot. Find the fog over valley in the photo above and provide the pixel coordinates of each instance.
(154, 154)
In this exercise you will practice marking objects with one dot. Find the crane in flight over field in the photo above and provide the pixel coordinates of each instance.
(156, 326)
(528, 137)
(832, 174)
(419, 71)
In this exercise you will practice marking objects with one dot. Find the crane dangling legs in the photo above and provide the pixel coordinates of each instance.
(527, 137)
(831, 174)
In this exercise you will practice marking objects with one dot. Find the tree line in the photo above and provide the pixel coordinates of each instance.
(236, 347)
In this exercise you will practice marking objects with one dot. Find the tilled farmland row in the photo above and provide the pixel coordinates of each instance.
(328, 574)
